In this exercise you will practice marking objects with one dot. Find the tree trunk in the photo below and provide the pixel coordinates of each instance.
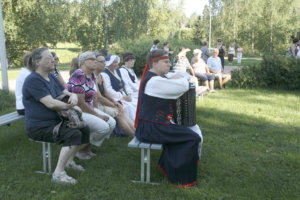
(252, 41)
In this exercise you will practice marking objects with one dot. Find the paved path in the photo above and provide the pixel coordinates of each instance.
(65, 75)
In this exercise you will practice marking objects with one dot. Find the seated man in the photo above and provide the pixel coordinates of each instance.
(215, 66)
(154, 124)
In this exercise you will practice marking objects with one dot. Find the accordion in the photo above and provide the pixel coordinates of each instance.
(185, 108)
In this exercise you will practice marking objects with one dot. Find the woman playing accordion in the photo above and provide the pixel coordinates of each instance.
(154, 124)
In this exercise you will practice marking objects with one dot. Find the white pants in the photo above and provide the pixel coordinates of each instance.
(239, 58)
(99, 129)
(196, 129)
(130, 108)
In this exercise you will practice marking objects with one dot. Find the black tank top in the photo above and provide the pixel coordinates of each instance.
(221, 52)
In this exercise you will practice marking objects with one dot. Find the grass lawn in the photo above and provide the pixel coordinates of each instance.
(246, 61)
(250, 151)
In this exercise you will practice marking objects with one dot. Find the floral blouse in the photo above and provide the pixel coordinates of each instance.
(79, 83)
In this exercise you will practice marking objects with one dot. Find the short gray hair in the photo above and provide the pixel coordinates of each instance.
(84, 56)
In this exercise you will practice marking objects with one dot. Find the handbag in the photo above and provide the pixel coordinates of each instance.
(72, 117)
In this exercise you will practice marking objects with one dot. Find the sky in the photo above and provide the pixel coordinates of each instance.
(196, 6)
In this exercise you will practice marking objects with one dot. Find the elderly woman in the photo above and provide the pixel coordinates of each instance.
(40, 91)
(202, 71)
(107, 104)
(116, 86)
(82, 82)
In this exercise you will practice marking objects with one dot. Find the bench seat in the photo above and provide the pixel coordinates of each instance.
(9, 118)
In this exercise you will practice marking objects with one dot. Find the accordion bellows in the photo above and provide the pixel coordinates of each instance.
(185, 108)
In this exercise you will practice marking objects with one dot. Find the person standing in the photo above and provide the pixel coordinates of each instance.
(222, 51)
(169, 50)
(231, 53)
(239, 54)
(205, 52)
(155, 45)
(182, 144)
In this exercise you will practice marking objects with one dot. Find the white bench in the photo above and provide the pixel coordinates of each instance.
(7, 119)
(145, 157)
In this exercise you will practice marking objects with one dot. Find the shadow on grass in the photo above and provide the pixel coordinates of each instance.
(244, 157)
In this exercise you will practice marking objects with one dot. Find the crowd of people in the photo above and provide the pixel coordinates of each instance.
(109, 99)
(204, 66)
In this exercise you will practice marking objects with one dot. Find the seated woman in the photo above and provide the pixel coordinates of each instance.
(40, 91)
(202, 71)
(182, 144)
(25, 71)
(82, 82)
(182, 64)
(107, 104)
(116, 87)
(56, 71)
(128, 76)
(74, 66)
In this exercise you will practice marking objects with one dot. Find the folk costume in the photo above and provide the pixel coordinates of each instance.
(129, 77)
(181, 144)
(117, 88)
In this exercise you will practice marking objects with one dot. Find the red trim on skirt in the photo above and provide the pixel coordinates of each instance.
(187, 185)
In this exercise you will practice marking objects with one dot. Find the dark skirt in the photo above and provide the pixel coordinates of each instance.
(230, 57)
(67, 136)
(179, 158)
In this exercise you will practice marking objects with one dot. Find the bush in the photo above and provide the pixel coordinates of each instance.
(141, 47)
(7, 101)
(275, 72)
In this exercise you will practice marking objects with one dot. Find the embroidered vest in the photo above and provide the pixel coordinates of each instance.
(130, 75)
(154, 109)
(115, 83)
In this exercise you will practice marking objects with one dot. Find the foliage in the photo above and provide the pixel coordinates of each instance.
(276, 72)
(30, 24)
(256, 24)
(7, 101)
(141, 47)
(250, 151)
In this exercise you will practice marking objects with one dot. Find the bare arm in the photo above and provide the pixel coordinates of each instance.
(86, 108)
(54, 104)
(61, 80)
(103, 100)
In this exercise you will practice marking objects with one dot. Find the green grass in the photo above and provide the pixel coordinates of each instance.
(246, 61)
(250, 151)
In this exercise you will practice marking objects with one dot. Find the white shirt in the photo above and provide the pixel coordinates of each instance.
(19, 86)
(231, 50)
(166, 88)
(116, 95)
(132, 87)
